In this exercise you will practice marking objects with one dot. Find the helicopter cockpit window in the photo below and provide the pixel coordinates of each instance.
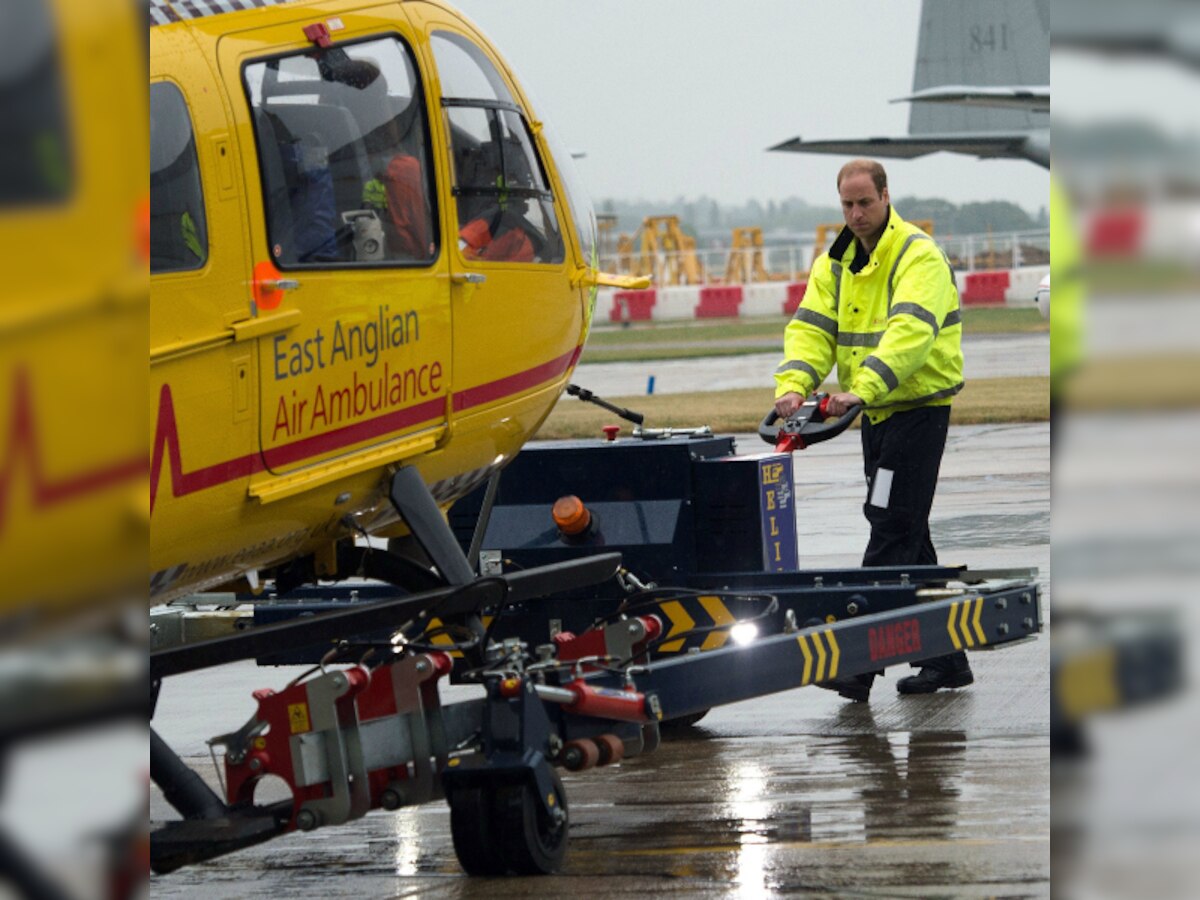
(505, 207)
(344, 155)
(35, 163)
(178, 229)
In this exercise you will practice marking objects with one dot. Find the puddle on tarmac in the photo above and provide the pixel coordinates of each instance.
(982, 531)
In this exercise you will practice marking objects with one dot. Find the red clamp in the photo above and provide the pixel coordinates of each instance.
(318, 33)
(624, 639)
(789, 442)
(324, 714)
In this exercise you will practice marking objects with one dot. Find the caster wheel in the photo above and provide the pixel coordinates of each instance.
(612, 749)
(532, 839)
(471, 826)
(579, 755)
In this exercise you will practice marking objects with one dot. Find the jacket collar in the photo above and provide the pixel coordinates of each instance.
(859, 261)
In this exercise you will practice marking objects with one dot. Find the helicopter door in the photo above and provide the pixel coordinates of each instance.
(205, 442)
(517, 318)
(346, 238)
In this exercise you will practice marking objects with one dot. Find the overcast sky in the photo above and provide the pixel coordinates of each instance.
(673, 98)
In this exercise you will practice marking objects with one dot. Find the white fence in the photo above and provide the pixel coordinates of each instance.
(791, 262)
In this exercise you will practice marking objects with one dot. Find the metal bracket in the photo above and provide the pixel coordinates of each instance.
(343, 755)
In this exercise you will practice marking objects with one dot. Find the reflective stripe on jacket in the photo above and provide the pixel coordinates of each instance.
(894, 327)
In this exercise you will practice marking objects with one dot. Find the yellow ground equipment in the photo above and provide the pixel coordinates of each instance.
(662, 251)
(606, 233)
(745, 264)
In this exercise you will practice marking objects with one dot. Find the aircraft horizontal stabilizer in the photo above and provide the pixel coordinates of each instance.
(985, 145)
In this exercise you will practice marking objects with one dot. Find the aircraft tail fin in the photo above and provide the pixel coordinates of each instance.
(996, 43)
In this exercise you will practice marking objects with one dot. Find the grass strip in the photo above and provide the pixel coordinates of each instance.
(1135, 383)
(731, 337)
(985, 401)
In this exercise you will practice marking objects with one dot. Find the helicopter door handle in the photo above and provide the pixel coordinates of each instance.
(282, 284)
(467, 278)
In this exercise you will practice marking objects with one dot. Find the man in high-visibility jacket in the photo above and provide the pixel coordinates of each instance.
(882, 302)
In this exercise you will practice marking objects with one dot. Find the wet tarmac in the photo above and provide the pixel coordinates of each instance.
(984, 356)
(800, 792)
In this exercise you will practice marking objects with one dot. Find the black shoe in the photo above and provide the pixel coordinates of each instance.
(930, 679)
(852, 687)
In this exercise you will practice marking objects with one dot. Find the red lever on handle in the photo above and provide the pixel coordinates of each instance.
(788, 443)
(822, 407)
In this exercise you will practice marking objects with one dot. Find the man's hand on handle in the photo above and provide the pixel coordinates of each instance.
(838, 404)
(835, 406)
(788, 404)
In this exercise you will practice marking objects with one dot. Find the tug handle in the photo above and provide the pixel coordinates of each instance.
(587, 396)
(806, 425)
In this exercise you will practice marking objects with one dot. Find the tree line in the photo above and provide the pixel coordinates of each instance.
(706, 219)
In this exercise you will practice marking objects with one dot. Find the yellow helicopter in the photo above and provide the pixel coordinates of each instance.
(72, 315)
(370, 264)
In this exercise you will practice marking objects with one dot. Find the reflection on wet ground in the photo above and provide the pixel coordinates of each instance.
(1004, 529)
(915, 813)
(942, 795)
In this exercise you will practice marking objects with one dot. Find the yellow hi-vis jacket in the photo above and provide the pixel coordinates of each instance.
(1067, 288)
(895, 325)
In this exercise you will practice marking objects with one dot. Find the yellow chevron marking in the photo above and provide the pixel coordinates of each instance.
(443, 639)
(975, 621)
(721, 616)
(950, 625)
(439, 640)
(965, 624)
(835, 653)
(816, 639)
(804, 679)
(1087, 683)
(680, 623)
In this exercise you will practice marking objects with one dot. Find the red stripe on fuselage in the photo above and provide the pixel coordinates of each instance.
(166, 437)
(23, 445)
(514, 384)
(356, 433)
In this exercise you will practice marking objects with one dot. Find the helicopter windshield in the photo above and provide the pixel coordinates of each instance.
(505, 206)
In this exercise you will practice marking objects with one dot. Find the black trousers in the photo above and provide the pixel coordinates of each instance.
(901, 459)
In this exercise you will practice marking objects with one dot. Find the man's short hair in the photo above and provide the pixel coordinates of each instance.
(867, 166)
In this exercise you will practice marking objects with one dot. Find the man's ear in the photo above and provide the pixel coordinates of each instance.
(886, 198)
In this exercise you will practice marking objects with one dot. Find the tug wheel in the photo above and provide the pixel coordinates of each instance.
(581, 754)
(612, 749)
(471, 826)
(532, 840)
